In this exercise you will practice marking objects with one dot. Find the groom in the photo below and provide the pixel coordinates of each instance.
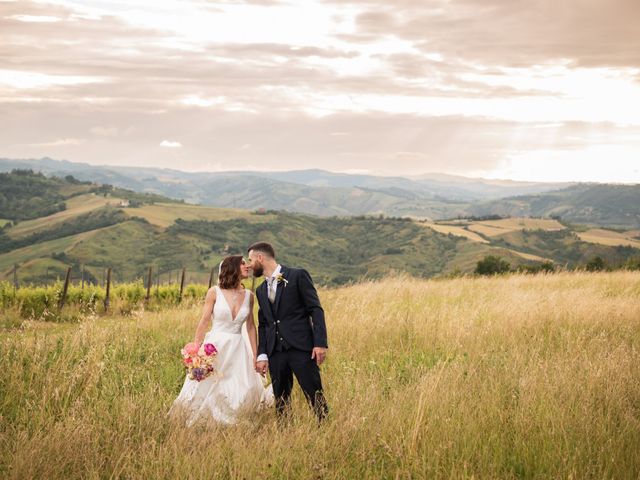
(292, 336)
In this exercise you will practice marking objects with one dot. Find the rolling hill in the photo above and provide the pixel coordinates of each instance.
(322, 193)
(315, 192)
(615, 206)
(96, 226)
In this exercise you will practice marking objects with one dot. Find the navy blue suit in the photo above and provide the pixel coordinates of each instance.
(288, 330)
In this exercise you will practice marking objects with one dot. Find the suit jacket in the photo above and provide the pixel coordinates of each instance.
(296, 313)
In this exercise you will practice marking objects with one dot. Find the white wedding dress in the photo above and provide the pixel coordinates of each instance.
(238, 389)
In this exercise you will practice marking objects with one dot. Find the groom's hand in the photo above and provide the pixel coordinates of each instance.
(261, 367)
(319, 353)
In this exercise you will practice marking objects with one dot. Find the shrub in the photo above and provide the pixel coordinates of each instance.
(596, 264)
(633, 263)
(546, 267)
(491, 265)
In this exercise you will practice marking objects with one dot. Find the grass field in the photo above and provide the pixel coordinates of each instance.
(609, 237)
(458, 231)
(164, 215)
(524, 223)
(492, 228)
(506, 377)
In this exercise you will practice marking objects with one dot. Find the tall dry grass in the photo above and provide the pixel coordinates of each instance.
(510, 377)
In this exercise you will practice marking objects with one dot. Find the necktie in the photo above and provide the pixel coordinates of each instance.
(271, 291)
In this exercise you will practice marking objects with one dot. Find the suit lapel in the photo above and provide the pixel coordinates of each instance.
(280, 290)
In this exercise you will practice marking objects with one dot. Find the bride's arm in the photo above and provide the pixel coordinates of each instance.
(251, 331)
(205, 320)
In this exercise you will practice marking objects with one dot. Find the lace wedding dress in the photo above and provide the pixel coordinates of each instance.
(237, 389)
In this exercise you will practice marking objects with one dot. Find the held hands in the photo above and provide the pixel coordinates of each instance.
(261, 367)
(319, 353)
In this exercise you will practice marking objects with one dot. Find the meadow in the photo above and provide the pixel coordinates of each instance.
(498, 377)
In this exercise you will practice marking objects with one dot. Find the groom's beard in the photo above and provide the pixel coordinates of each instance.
(258, 270)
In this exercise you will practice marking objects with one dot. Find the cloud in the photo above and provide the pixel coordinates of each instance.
(380, 142)
(170, 144)
(514, 33)
(412, 86)
(34, 18)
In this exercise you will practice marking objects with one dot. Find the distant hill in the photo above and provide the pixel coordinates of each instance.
(94, 226)
(615, 206)
(315, 192)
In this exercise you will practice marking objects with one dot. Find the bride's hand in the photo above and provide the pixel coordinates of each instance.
(261, 367)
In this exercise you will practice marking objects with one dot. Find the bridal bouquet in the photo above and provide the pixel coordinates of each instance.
(199, 360)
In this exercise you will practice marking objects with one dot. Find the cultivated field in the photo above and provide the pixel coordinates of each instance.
(504, 377)
(524, 223)
(610, 237)
(492, 228)
(457, 231)
(165, 214)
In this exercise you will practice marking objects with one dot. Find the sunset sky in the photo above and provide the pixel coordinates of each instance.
(521, 89)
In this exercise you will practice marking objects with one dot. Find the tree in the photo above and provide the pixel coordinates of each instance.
(491, 265)
(596, 264)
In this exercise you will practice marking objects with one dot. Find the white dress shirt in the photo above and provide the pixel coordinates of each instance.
(274, 286)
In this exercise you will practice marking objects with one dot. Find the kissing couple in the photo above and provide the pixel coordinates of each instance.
(291, 340)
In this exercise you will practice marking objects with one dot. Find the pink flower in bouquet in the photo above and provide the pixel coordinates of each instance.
(199, 360)
(191, 348)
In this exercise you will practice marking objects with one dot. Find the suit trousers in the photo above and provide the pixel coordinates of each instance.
(283, 365)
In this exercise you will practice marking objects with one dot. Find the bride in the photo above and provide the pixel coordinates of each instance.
(237, 389)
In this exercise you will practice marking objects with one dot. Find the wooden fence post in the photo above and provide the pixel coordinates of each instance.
(64, 289)
(184, 269)
(106, 296)
(15, 278)
(149, 280)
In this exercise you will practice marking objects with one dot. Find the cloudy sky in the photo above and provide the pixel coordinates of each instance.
(522, 89)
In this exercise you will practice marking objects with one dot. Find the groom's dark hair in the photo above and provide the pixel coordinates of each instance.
(263, 247)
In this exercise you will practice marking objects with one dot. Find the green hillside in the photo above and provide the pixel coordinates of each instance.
(94, 227)
(564, 247)
(614, 206)
(25, 195)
